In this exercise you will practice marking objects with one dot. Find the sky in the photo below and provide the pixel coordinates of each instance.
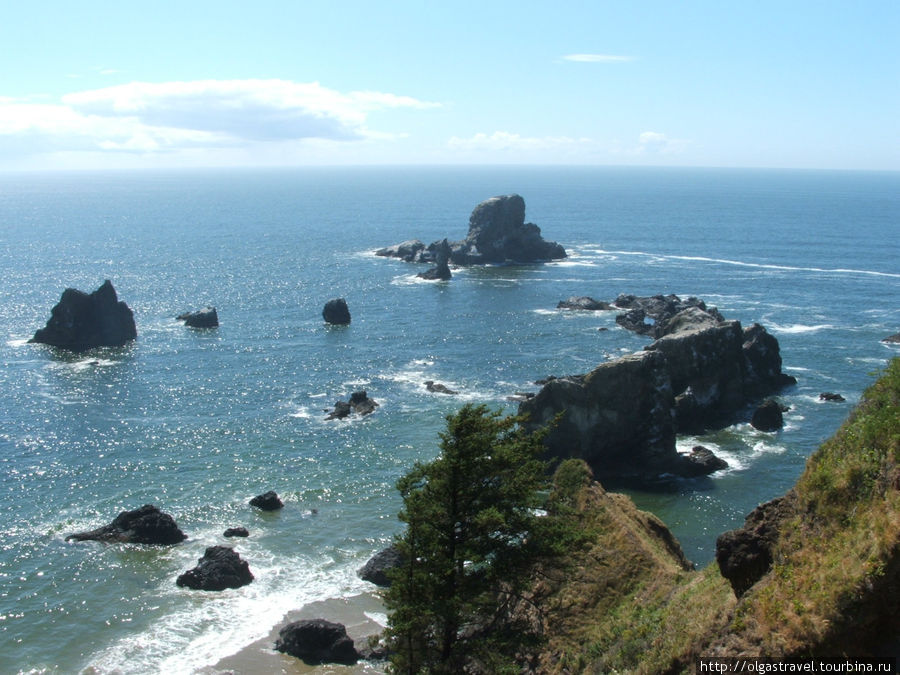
(750, 83)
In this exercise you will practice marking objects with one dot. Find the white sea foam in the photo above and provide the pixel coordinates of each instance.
(798, 328)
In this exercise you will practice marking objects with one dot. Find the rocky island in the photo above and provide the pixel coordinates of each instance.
(497, 234)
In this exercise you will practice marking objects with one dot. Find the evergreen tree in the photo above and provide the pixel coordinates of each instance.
(473, 530)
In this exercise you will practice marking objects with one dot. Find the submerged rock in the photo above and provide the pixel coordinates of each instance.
(219, 568)
(146, 525)
(336, 312)
(317, 641)
(202, 318)
(79, 321)
(497, 233)
(438, 388)
(267, 501)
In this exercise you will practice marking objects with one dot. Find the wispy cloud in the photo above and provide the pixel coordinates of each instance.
(506, 141)
(150, 117)
(659, 143)
(597, 58)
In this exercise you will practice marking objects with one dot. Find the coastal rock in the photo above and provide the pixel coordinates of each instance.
(317, 641)
(219, 568)
(768, 416)
(359, 403)
(584, 303)
(336, 312)
(79, 321)
(438, 388)
(701, 462)
(267, 501)
(236, 532)
(441, 271)
(202, 318)
(497, 233)
(892, 339)
(622, 417)
(654, 316)
(831, 396)
(377, 568)
(744, 555)
(146, 525)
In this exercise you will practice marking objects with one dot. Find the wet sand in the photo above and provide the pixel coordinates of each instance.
(260, 657)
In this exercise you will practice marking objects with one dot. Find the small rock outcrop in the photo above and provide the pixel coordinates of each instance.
(359, 403)
(202, 318)
(336, 312)
(219, 568)
(82, 321)
(831, 396)
(583, 303)
(441, 271)
(267, 501)
(892, 339)
(653, 316)
(317, 641)
(146, 525)
(701, 462)
(744, 555)
(768, 416)
(497, 233)
(623, 416)
(377, 568)
(438, 388)
(236, 532)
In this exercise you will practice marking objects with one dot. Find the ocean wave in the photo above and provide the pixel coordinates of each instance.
(798, 328)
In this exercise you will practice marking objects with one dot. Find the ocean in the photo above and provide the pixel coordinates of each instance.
(198, 422)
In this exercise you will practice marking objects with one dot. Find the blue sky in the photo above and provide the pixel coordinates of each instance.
(124, 84)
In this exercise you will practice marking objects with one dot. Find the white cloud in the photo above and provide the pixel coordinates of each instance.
(655, 142)
(506, 141)
(597, 58)
(150, 117)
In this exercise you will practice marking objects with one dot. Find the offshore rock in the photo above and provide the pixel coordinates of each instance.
(219, 568)
(623, 417)
(146, 525)
(317, 641)
(892, 339)
(768, 416)
(377, 568)
(267, 501)
(744, 555)
(336, 312)
(497, 233)
(236, 532)
(202, 318)
(831, 396)
(438, 388)
(701, 462)
(359, 403)
(653, 315)
(441, 271)
(80, 322)
(583, 303)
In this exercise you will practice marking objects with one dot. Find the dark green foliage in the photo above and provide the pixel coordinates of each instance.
(474, 531)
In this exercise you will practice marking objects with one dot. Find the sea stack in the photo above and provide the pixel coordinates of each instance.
(82, 321)
(336, 312)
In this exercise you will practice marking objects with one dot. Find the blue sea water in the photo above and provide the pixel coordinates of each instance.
(198, 422)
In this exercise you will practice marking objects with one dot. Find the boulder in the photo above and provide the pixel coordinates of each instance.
(267, 501)
(701, 462)
(236, 532)
(359, 403)
(317, 641)
(82, 321)
(441, 271)
(744, 555)
(892, 339)
(202, 318)
(219, 568)
(336, 312)
(497, 233)
(438, 388)
(377, 568)
(584, 303)
(831, 396)
(768, 416)
(146, 525)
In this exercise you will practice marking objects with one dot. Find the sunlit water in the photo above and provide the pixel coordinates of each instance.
(198, 422)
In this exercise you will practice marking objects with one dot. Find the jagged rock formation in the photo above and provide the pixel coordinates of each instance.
(359, 403)
(201, 318)
(146, 525)
(219, 568)
(317, 641)
(497, 233)
(268, 501)
(336, 312)
(651, 315)
(584, 303)
(441, 271)
(79, 321)
(623, 417)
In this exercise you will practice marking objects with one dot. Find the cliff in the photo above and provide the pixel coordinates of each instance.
(625, 601)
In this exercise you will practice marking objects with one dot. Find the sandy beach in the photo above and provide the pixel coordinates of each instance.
(360, 614)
